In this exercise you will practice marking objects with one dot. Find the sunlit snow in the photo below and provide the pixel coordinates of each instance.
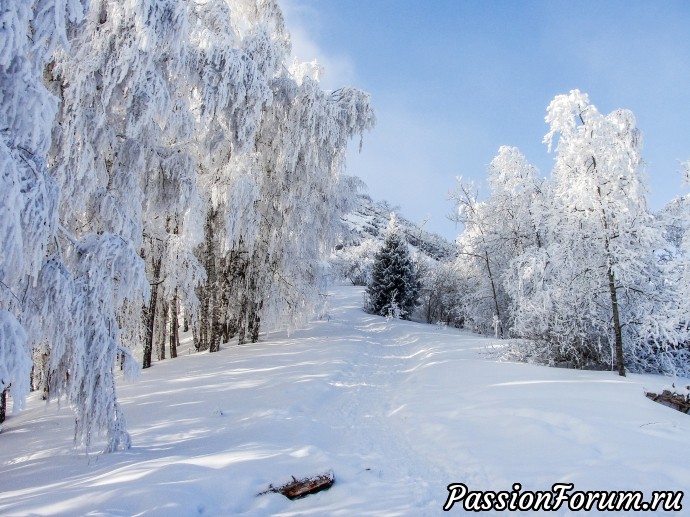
(398, 410)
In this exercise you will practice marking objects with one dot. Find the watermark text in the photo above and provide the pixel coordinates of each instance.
(560, 495)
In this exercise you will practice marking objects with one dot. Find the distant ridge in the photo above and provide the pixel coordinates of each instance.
(369, 221)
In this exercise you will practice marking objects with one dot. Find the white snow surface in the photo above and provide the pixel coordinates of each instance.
(397, 410)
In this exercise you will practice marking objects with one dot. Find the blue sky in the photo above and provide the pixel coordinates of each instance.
(452, 81)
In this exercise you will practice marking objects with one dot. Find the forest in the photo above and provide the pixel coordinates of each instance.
(166, 167)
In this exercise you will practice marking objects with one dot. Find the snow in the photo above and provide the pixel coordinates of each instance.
(398, 410)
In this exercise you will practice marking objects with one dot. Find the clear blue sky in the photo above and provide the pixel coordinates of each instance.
(453, 80)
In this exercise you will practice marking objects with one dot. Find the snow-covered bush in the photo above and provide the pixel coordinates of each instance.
(354, 263)
(441, 292)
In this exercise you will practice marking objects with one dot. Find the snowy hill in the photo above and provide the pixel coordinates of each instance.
(370, 219)
(398, 410)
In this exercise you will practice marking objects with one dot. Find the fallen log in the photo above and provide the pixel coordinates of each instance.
(298, 488)
(672, 400)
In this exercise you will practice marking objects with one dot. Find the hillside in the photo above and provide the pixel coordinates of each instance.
(398, 410)
(370, 219)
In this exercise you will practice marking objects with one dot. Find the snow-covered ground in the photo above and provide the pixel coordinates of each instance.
(397, 410)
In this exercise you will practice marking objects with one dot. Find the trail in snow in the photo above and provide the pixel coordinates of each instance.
(398, 410)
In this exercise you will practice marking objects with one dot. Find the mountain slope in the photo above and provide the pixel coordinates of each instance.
(398, 410)
(369, 221)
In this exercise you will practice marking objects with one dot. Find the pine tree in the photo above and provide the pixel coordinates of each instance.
(394, 287)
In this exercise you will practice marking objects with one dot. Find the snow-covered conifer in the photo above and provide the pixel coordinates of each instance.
(394, 286)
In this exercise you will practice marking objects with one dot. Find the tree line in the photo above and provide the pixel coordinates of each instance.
(576, 263)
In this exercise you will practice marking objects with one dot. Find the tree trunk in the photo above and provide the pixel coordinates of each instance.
(241, 340)
(224, 274)
(174, 327)
(213, 297)
(612, 286)
(45, 376)
(616, 324)
(195, 338)
(3, 404)
(214, 338)
(249, 321)
(255, 323)
(493, 291)
(150, 314)
(201, 339)
(162, 328)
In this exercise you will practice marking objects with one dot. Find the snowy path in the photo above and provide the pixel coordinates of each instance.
(397, 410)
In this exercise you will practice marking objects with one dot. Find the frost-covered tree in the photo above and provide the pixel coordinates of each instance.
(394, 286)
(517, 198)
(175, 91)
(479, 260)
(674, 222)
(595, 291)
(121, 145)
(140, 139)
(494, 232)
(576, 263)
(441, 295)
(250, 44)
(29, 195)
(71, 284)
(302, 194)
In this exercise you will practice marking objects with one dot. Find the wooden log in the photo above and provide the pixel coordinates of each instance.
(298, 488)
(672, 400)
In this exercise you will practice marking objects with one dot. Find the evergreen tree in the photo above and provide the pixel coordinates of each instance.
(394, 287)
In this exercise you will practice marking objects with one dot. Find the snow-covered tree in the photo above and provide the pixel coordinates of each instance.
(674, 220)
(29, 195)
(495, 231)
(299, 155)
(155, 138)
(394, 286)
(441, 294)
(576, 263)
(479, 258)
(249, 52)
(121, 146)
(595, 291)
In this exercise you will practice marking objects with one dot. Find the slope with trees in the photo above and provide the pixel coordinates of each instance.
(156, 154)
(432, 255)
